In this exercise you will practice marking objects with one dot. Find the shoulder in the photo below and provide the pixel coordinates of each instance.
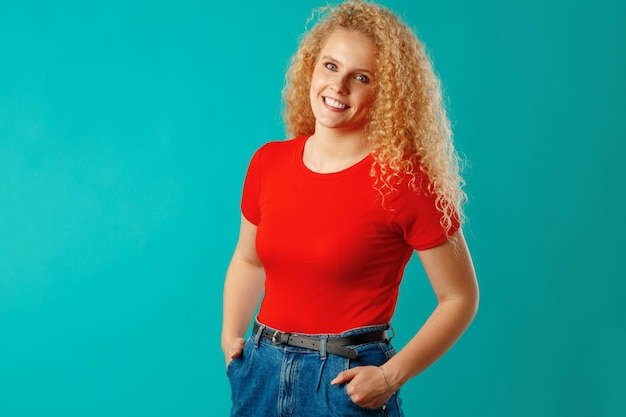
(278, 148)
(409, 182)
(276, 155)
(412, 196)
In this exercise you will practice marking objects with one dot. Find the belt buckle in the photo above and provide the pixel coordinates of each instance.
(278, 337)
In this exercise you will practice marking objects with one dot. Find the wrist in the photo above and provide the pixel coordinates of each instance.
(227, 341)
(382, 373)
(392, 380)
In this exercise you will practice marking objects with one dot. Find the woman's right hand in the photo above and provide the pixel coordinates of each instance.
(233, 349)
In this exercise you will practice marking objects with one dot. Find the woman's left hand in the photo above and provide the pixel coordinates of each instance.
(366, 386)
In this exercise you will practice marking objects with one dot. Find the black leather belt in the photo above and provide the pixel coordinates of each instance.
(334, 345)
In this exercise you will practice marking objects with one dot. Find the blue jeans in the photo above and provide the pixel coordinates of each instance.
(286, 381)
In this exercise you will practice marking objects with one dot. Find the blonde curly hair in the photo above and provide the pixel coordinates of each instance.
(408, 130)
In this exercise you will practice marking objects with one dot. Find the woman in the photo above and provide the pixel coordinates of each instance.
(330, 220)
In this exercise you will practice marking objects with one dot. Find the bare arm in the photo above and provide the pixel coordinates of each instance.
(243, 288)
(451, 273)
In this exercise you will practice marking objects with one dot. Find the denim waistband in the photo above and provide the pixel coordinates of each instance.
(351, 332)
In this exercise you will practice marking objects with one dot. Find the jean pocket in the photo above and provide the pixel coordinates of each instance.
(372, 354)
(234, 366)
(380, 411)
(230, 365)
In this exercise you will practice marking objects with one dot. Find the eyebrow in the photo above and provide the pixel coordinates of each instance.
(330, 58)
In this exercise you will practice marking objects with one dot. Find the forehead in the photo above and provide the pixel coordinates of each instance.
(350, 48)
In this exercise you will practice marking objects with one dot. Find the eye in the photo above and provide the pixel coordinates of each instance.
(331, 66)
(362, 78)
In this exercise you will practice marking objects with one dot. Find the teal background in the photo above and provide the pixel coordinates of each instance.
(125, 131)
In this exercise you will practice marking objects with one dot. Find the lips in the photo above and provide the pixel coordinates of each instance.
(335, 104)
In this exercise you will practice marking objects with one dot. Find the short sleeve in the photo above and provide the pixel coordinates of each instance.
(417, 217)
(251, 188)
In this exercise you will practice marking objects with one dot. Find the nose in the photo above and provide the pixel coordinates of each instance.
(340, 85)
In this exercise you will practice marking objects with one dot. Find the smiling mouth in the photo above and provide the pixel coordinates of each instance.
(335, 104)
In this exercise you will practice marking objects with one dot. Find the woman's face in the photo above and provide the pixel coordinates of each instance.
(342, 89)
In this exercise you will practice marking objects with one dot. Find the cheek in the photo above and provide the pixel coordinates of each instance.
(366, 103)
(312, 94)
(316, 82)
(315, 88)
(370, 98)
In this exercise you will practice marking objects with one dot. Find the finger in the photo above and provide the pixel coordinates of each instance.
(344, 376)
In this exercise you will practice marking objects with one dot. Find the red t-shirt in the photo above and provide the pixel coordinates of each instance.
(333, 254)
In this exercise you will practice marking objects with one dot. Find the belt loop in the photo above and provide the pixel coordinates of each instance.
(258, 335)
(323, 341)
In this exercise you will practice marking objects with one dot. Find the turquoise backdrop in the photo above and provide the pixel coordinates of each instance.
(125, 131)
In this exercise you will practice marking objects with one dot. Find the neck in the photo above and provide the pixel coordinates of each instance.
(329, 151)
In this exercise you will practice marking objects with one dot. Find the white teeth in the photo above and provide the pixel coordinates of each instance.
(334, 103)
